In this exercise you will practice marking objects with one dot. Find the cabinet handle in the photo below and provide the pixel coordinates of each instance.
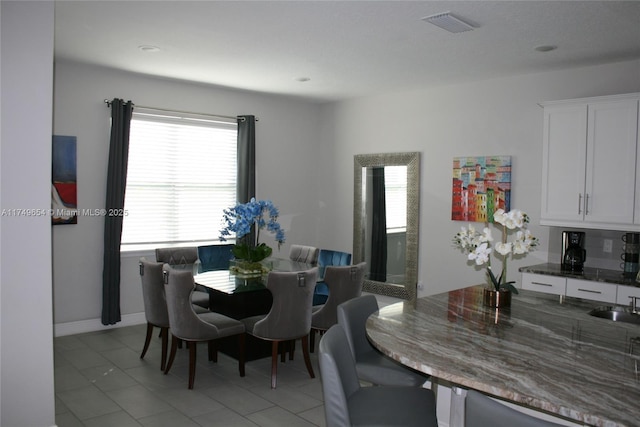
(541, 284)
(586, 204)
(579, 203)
(589, 290)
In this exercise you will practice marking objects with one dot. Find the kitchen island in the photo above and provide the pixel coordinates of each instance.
(546, 355)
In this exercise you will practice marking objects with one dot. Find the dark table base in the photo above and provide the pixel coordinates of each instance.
(239, 306)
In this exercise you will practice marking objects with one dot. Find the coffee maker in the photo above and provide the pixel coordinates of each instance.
(631, 255)
(573, 253)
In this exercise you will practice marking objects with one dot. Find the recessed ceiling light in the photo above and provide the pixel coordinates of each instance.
(303, 79)
(448, 22)
(546, 48)
(149, 48)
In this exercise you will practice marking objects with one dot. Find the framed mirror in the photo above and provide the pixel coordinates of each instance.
(385, 221)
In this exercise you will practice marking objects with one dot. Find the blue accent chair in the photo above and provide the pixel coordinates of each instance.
(325, 258)
(214, 257)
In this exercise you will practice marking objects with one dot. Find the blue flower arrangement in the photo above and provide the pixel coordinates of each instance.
(254, 215)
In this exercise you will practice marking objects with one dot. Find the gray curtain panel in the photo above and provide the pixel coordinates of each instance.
(379, 228)
(116, 181)
(246, 184)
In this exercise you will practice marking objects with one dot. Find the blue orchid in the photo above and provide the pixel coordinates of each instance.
(242, 218)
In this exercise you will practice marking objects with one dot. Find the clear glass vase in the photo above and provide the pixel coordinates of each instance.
(247, 269)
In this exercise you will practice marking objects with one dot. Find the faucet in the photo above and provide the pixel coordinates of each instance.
(634, 304)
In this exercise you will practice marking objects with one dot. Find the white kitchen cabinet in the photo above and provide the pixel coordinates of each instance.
(589, 163)
(596, 291)
(624, 294)
(544, 283)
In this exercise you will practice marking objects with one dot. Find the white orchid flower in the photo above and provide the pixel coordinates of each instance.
(517, 218)
(503, 248)
(520, 247)
(481, 254)
(486, 235)
(500, 217)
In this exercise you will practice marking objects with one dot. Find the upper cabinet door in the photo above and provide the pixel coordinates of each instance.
(564, 163)
(611, 162)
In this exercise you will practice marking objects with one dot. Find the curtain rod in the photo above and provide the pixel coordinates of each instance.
(106, 101)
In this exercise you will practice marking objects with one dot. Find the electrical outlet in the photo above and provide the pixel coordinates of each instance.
(607, 246)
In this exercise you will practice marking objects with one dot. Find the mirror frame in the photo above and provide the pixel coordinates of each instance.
(408, 289)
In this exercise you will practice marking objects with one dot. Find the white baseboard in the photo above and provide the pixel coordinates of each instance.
(93, 325)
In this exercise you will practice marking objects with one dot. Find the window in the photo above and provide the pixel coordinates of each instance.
(181, 175)
(395, 183)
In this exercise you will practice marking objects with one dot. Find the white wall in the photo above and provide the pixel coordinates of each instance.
(26, 347)
(287, 143)
(494, 117)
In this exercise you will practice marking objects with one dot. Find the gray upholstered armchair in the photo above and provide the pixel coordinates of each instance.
(192, 328)
(155, 305)
(371, 365)
(290, 315)
(344, 283)
(185, 258)
(481, 411)
(346, 403)
(306, 254)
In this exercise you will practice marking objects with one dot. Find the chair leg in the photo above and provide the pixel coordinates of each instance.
(305, 352)
(287, 347)
(164, 334)
(274, 363)
(192, 362)
(147, 340)
(212, 347)
(312, 340)
(283, 351)
(172, 355)
(241, 353)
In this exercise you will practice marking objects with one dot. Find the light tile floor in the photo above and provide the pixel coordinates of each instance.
(100, 381)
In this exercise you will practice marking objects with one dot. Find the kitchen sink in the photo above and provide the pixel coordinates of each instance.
(617, 314)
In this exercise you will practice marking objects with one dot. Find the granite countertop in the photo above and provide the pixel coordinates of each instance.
(589, 273)
(546, 355)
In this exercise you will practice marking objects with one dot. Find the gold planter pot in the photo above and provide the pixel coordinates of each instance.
(493, 298)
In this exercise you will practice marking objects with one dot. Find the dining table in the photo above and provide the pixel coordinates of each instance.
(540, 353)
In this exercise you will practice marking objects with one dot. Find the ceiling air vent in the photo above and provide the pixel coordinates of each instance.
(448, 22)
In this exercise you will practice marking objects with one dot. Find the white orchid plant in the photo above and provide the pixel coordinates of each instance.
(479, 246)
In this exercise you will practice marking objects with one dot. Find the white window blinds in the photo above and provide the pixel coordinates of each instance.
(181, 175)
(395, 183)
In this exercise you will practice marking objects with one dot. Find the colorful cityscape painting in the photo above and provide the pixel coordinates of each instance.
(481, 185)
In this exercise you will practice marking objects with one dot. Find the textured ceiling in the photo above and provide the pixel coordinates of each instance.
(346, 48)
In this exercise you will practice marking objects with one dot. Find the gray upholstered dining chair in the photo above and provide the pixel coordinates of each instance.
(482, 411)
(344, 283)
(346, 403)
(306, 254)
(192, 328)
(185, 258)
(155, 305)
(371, 365)
(290, 316)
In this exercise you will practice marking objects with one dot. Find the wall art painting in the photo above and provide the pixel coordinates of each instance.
(481, 185)
(64, 203)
